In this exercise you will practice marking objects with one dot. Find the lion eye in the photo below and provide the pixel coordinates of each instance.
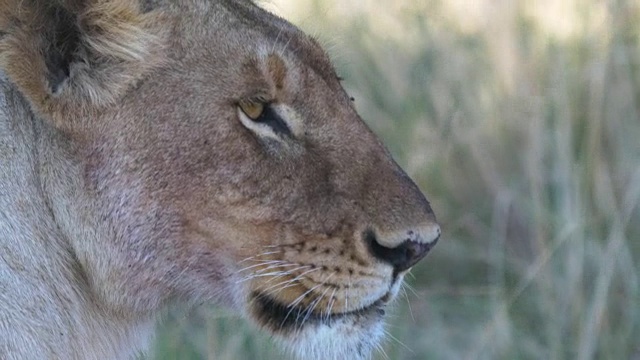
(262, 118)
(253, 110)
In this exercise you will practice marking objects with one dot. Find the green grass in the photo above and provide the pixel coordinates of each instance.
(526, 138)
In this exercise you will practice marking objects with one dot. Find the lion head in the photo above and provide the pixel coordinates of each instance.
(206, 151)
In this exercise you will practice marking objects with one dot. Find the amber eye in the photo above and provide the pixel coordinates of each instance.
(262, 118)
(253, 110)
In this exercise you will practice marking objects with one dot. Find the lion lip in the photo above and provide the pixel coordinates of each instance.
(282, 318)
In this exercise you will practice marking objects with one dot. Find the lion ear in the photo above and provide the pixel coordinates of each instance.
(68, 56)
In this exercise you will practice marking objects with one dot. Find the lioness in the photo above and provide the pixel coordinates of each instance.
(158, 152)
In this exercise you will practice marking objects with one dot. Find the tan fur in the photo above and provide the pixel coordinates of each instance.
(130, 180)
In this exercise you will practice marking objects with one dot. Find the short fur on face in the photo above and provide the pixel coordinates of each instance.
(190, 151)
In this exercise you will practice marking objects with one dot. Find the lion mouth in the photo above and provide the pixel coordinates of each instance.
(281, 318)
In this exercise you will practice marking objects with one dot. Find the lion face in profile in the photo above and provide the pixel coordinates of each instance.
(206, 151)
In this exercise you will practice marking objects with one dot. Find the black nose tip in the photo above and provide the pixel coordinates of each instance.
(401, 257)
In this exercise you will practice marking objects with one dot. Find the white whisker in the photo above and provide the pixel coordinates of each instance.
(257, 256)
(262, 263)
(332, 301)
(388, 334)
(310, 311)
(275, 266)
(274, 273)
(294, 279)
(411, 289)
(380, 349)
(406, 296)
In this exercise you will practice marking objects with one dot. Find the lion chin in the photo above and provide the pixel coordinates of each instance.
(314, 334)
(349, 337)
(311, 335)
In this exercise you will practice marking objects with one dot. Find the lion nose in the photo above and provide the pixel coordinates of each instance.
(412, 246)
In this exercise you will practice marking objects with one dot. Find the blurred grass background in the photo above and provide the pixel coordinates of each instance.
(520, 120)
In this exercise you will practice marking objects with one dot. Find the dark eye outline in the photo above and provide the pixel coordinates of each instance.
(267, 116)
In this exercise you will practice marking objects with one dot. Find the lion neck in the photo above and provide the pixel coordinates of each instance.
(35, 250)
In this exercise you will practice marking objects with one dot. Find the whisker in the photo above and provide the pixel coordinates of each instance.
(273, 246)
(331, 303)
(346, 294)
(274, 273)
(310, 311)
(292, 306)
(291, 280)
(411, 289)
(299, 298)
(288, 285)
(275, 43)
(284, 48)
(257, 256)
(410, 273)
(406, 296)
(262, 263)
(381, 350)
(388, 334)
(274, 266)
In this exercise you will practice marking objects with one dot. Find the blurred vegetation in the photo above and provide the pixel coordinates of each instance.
(521, 122)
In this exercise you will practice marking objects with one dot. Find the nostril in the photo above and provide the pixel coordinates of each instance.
(401, 257)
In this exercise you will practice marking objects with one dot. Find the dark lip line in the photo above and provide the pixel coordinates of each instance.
(281, 318)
